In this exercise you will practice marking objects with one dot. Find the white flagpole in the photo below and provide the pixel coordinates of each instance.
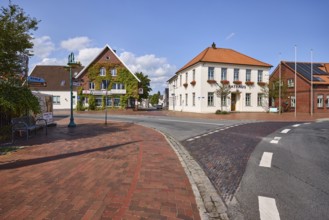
(295, 80)
(311, 82)
(280, 106)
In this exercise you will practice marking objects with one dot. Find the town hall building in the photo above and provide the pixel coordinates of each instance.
(194, 86)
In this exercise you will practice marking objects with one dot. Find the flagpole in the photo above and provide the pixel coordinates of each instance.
(311, 82)
(280, 106)
(295, 80)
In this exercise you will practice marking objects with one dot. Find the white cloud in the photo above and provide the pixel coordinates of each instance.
(77, 43)
(230, 36)
(43, 46)
(86, 55)
(157, 68)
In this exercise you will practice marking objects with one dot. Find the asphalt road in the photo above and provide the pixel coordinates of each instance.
(296, 180)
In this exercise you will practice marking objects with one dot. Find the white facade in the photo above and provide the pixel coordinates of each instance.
(202, 98)
(61, 99)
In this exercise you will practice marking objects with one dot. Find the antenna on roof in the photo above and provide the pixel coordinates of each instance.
(213, 45)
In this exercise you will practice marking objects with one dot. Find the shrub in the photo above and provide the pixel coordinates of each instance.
(219, 112)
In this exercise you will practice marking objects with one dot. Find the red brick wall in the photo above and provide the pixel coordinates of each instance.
(303, 101)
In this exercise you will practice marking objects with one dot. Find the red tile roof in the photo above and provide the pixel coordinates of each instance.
(223, 55)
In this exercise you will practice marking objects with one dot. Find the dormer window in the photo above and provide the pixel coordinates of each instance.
(102, 71)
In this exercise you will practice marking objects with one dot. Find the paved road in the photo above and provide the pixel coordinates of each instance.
(178, 128)
(295, 182)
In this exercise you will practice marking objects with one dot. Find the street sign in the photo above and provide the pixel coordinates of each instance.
(34, 79)
(140, 91)
(76, 83)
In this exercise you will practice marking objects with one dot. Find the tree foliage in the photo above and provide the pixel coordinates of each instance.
(154, 99)
(145, 84)
(15, 41)
(222, 91)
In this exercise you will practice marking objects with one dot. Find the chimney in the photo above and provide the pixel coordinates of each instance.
(213, 45)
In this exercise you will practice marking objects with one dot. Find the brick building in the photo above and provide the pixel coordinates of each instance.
(303, 99)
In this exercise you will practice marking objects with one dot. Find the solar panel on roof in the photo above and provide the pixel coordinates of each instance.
(305, 70)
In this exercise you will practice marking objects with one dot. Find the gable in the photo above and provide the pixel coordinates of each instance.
(107, 55)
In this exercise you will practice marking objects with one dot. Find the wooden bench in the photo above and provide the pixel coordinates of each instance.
(27, 124)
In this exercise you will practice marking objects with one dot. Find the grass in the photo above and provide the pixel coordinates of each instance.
(5, 150)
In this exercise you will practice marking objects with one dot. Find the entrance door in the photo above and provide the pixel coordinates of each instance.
(233, 101)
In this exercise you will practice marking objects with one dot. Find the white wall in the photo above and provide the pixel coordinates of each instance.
(64, 99)
(202, 87)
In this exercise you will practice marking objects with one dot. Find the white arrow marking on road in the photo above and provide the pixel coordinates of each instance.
(268, 209)
(266, 159)
(296, 125)
(285, 131)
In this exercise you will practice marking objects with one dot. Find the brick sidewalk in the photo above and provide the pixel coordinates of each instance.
(119, 171)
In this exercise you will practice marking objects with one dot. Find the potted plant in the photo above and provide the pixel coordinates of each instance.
(261, 83)
(193, 83)
(211, 81)
(185, 85)
(249, 83)
(225, 82)
(237, 82)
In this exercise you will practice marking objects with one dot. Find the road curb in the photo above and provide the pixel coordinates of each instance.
(210, 204)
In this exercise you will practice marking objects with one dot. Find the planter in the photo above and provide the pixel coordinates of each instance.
(237, 82)
(193, 83)
(185, 85)
(211, 81)
(249, 83)
(225, 82)
(261, 84)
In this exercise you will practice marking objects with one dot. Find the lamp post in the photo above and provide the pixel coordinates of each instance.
(71, 64)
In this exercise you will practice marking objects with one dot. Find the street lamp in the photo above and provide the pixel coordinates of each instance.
(71, 64)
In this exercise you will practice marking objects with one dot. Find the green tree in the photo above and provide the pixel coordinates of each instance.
(222, 92)
(15, 41)
(145, 84)
(154, 99)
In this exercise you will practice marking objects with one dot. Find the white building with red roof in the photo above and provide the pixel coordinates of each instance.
(193, 87)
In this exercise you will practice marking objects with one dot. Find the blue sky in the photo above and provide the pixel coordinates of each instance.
(159, 37)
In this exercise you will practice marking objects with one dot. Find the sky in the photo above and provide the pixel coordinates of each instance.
(158, 37)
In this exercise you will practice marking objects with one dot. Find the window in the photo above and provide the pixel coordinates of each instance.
(193, 75)
(186, 97)
(248, 98)
(113, 72)
(180, 99)
(98, 101)
(292, 101)
(223, 75)
(211, 73)
(260, 76)
(210, 99)
(320, 101)
(260, 99)
(291, 83)
(104, 84)
(108, 102)
(56, 100)
(186, 76)
(327, 101)
(91, 85)
(116, 102)
(193, 98)
(248, 75)
(180, 80)
(102, 71)
(223, 101)
(236, 74)
(118, 86)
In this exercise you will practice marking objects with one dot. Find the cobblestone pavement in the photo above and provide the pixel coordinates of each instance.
(93, 171)
(223, 155)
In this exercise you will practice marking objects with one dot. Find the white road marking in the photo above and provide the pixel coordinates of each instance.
(296, 125)
(268, 209)
(191, 122)
(266, 159)
(204, 135)
(307, 123)
(197, 137)
(285, 131)
(274, 141)
(277, 138)
(191, 139)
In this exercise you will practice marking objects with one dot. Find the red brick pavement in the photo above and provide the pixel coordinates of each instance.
(93, 171)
